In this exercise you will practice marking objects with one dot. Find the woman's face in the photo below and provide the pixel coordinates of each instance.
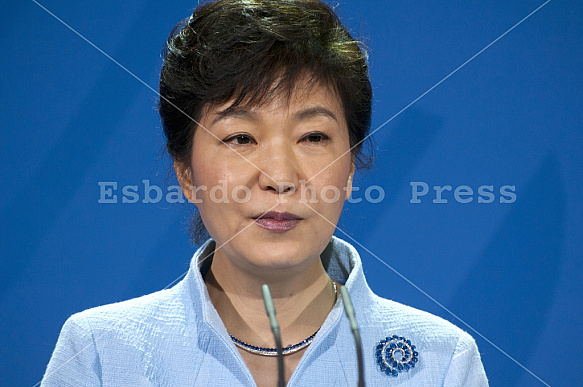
(270, 181)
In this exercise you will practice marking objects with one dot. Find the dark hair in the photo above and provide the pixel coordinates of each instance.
(248, 50)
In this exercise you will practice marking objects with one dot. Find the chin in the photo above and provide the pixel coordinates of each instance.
(279, 253)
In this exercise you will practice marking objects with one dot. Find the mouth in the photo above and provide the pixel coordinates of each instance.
(277, 221)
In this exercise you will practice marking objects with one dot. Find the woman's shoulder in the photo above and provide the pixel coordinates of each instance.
(133, 315)
(435, 349)
(120, 341)
(402, 320)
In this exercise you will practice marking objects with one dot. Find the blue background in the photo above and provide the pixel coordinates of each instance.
(512, 116)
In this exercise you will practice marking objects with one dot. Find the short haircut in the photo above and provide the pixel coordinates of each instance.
(247, 50)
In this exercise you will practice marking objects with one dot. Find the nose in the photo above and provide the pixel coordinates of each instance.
(279, 170)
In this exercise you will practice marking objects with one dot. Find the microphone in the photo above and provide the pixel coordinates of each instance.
(348, 308)
(270, 309)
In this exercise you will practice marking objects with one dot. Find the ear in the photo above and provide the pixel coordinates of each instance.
(349, 182)
(184, 175)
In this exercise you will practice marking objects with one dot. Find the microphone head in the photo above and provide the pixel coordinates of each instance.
(270, 309)
(269, 306)
(348, 308)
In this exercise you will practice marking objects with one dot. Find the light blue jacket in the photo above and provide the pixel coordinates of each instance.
(175, 338)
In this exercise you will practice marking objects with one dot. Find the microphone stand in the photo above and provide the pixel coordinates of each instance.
(349, 309)
(270, 309)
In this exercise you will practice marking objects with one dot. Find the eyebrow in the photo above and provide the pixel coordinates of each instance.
(299, 116)
(243, 114)
(313, 112)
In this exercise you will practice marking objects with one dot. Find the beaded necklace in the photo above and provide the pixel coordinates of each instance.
(287, 350)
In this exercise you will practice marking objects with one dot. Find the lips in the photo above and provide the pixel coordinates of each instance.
(278, 216)
(277, 221)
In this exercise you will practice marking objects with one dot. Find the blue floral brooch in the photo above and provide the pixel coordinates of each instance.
(396, 354)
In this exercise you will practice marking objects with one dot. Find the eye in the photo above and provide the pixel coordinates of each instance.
(239, 139)
(315, 137)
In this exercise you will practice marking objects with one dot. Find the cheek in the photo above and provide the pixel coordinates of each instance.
(331, 187)
(219, 183)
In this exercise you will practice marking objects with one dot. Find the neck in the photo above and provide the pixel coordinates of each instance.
(302, 300)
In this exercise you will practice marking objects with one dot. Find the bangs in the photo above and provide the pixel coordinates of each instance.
(279, 85)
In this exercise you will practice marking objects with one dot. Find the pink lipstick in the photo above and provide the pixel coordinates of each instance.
(277, 221)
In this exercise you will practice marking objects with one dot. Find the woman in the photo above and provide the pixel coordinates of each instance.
(269, 101)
